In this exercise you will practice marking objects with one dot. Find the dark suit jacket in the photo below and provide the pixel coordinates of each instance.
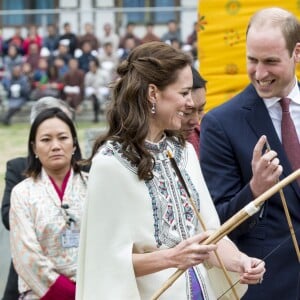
(14, 169)
(13, 175)
(228, 136)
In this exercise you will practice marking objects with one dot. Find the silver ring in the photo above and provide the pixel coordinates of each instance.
(260, 280)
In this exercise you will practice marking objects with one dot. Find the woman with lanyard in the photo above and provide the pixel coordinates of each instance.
(46, 209)
(138, 225)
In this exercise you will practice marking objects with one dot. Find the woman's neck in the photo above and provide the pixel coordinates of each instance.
(58, 176)
(154, 135)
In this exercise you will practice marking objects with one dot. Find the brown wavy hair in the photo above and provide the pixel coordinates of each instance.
(129, 112)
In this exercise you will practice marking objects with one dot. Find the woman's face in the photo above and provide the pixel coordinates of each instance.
(193, 113)
(54, 145)
(170, 103)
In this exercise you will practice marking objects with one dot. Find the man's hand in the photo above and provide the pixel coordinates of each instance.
(266, 168)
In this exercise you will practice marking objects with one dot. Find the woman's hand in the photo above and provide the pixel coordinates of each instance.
(253, 270)
(186, 254)
(189, 252)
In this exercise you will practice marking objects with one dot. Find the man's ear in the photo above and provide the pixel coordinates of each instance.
(297, 53)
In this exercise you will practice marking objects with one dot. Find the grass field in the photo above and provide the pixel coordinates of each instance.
(13, 142)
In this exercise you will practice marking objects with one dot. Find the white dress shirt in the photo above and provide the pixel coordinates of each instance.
(275, 111)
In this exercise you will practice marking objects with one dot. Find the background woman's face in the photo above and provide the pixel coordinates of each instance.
(54, 145)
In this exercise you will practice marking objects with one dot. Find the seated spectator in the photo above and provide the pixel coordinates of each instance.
(192, 38)
(51, 40)
(28, 73)
(33, 56)
(40, 73)
(46, 81)
(54, 85)
(32, 38)
(96, 86)
(2, 96)
(173, 32)
(109, 60)
(175, 43)
(17, 88)
(74, 85)
(11, 59)
(86, 56)
(89, 36)
(150, 36)
(62, 67)
(16, 40)
(129, 45)
(69, 36)
(129, 33)
(1, 43)
(109, 36)
(63, 51)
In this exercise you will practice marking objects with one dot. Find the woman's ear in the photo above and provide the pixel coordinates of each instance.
(152, 93)
(33, 148)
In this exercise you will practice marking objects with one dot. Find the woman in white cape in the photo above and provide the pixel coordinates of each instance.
(139, 226)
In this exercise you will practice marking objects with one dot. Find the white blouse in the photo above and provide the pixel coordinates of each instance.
(125, 215)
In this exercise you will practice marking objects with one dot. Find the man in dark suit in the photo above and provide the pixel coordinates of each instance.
(236, 174)
(14, 174)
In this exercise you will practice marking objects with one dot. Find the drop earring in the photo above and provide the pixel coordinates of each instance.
(153, 109)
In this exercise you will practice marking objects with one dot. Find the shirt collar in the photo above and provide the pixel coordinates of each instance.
(294, 95)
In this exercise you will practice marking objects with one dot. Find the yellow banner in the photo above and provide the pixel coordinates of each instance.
(221, 44)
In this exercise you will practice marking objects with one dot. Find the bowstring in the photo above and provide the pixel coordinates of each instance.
(263, 260)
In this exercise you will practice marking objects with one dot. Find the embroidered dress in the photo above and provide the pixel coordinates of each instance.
(126, 215)
(37, 222)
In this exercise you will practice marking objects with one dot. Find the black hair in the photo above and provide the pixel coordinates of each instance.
(198, 81)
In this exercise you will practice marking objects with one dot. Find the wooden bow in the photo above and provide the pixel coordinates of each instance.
(288, 217)
(241, 216)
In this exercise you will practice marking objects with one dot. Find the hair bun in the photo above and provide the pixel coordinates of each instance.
(123, 68)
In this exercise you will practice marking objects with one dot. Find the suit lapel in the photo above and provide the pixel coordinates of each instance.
(259, 120)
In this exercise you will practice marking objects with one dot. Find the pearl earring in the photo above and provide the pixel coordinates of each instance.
(153, 109)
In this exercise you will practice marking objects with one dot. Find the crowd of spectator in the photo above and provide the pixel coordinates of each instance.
(70, 66)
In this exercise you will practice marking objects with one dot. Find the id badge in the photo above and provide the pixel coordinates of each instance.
(70, 237)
